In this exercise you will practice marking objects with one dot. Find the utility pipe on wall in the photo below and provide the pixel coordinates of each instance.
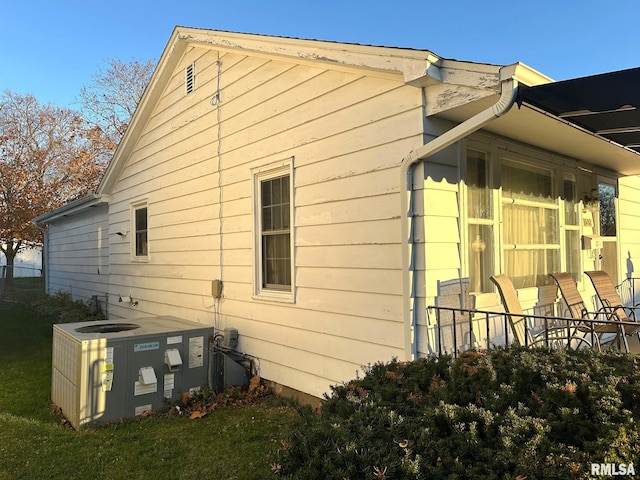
(508, 95)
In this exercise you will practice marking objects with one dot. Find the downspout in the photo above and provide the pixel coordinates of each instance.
(508, 95)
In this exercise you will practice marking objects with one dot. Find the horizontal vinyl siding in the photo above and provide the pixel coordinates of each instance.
(347, 134)
(77, 255)
(442, 225)
(629, 231)
(440, 256)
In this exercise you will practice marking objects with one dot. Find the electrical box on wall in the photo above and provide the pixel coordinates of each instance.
(216, 289)
(591, 242)
(104, 371)
(230, 338)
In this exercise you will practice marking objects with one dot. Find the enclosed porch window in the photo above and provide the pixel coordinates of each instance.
(531, 242)
(523, 218)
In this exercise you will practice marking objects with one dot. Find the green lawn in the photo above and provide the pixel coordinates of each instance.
(229, 443)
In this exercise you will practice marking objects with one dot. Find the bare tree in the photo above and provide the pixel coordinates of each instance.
(109, 102)
(44, 162)
(49, 155)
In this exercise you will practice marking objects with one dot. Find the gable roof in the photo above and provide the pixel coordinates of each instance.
(537, 121)
(420, 68)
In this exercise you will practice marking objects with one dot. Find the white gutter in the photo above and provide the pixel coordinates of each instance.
(508, 95)
(71, 208)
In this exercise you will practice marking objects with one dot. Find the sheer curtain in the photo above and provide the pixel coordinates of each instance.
(530, 224)
(480, 218)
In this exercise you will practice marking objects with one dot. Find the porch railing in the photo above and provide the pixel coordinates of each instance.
(458, 329)
(627, 290)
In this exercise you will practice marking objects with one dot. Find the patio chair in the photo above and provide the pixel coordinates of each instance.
(552, 333)
(578, 310)
(612, 305)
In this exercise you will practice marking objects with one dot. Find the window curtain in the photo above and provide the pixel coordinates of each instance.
(530, 225)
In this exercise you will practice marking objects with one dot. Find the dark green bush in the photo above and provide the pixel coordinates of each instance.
(508, 413)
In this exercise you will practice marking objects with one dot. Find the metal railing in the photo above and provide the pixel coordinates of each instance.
(627, 290)
(490, 329)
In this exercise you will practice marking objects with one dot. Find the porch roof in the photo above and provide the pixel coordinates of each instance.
(606, 104)
(595, 119)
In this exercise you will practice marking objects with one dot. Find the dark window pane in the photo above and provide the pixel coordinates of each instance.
(276, 241)
(277, 217)
(267, 221)
(276, 261)
(276, 191)
(607, 195)
(141, 231)
(141, 219)
(266, 193)
(141, 243)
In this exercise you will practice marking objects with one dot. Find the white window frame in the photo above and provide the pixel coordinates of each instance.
(566, 227)
(540, 164)
(133, 229)
(491, 221)
(260, 174)
(495, 151)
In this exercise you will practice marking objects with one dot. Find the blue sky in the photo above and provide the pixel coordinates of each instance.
(51, 48)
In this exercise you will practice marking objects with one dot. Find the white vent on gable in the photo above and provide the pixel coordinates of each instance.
(190, 77)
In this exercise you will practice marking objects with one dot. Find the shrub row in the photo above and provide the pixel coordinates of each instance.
(506, 413)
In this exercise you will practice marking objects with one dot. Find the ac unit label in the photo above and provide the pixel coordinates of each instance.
(143, 347)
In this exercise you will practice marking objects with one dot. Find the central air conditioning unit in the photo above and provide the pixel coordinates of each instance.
(104, 371)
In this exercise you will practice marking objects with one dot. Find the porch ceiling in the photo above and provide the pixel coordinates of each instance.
(595, 119)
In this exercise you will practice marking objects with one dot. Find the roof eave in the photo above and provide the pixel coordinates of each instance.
(72, 208)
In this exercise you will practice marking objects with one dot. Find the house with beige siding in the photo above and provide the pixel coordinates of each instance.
(319, 196)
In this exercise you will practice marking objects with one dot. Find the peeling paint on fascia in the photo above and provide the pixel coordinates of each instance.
(454, 97)
(314, 56)
(219, 42)
(338, 57)
(471, 78)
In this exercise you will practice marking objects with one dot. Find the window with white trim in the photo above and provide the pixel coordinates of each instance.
(274, 246)
(140, 229)
(480, 221)
(524, 219)
(607, 210)
(570, 223)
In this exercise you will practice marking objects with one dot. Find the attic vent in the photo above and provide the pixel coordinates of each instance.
(190, 78)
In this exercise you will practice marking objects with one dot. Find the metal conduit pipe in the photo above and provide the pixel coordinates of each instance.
(508, 95)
